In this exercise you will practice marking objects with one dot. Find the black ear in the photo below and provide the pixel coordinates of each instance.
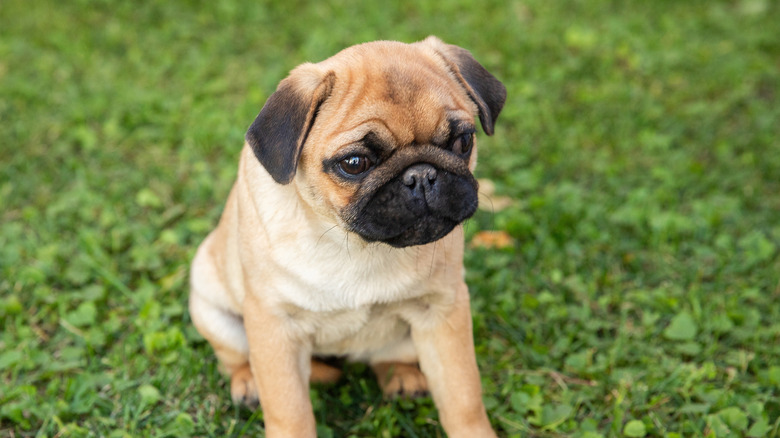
(279, 132)
(483, 88)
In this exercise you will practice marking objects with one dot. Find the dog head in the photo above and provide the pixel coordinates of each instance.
(380, 138)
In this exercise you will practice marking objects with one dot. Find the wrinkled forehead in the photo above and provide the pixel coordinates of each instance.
(409, 95)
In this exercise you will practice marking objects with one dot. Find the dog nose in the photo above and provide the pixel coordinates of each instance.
(419, 176)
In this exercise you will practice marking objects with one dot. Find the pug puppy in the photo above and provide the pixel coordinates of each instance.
(342, 235)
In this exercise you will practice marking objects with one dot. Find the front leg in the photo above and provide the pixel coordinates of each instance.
(280, 364)
(445, 346)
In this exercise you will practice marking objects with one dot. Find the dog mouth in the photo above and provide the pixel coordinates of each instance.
(420, 205)
(422, 232)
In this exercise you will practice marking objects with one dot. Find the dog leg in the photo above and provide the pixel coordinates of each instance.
(281, 365)
(446, 353)
(398, 379)
(231, 351)
(224, 330)
(210, 314)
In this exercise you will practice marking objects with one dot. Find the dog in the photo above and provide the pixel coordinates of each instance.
(342, 235)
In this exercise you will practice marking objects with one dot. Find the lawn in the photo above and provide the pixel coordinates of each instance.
(636, 168)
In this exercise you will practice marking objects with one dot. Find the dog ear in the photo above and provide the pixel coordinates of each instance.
(482, 87)
(279, 132)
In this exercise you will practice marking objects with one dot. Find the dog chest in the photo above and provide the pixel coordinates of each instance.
(354, 332)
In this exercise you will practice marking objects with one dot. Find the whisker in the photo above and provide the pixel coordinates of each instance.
(433, 257)
(492, 210)
(323, 234)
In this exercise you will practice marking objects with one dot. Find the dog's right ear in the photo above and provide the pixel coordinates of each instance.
(487, 92)
(279, 132)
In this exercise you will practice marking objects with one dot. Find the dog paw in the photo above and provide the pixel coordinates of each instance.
(401, 379)
(325, 370)
(243, 389)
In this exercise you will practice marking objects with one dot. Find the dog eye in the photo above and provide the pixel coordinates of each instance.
(355, 165)
(463, 144)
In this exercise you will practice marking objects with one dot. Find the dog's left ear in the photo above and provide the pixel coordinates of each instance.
(279, 132)
(482, 87)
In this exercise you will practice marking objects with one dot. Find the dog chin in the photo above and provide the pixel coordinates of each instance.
(424, 231)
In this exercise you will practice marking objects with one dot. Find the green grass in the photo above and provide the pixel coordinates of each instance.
(640, 141)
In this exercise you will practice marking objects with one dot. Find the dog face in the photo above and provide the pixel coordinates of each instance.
(379, 139)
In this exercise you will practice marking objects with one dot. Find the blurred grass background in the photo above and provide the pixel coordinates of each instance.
(639, 142)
